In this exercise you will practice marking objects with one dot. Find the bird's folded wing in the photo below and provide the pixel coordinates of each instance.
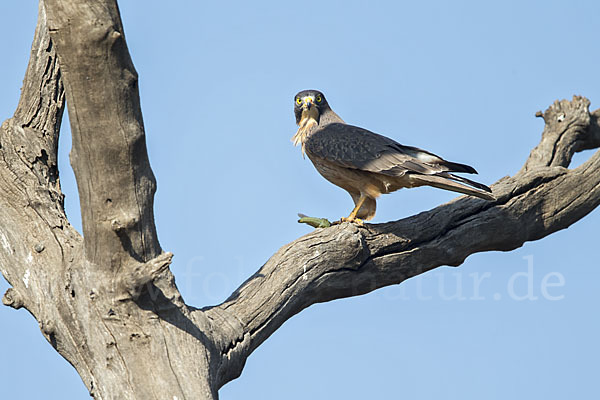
(357, 148)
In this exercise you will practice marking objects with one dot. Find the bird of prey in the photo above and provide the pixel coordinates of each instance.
(367, 164)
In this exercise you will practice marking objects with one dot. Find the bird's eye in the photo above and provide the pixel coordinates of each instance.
(319, 98)
(298, 101)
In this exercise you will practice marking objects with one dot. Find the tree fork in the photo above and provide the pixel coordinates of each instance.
(108, 302)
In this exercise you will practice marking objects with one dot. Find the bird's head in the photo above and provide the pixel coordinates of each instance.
(309, 105)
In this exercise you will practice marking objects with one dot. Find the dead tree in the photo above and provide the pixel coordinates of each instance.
(107, 301)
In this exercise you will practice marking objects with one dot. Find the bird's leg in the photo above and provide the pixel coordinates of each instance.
(352, 216)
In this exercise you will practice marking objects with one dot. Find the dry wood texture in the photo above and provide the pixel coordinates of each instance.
(107, 301)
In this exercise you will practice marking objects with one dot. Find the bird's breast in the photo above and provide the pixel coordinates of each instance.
(306, 126)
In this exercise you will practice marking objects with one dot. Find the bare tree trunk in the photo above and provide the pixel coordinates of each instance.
(108, 302)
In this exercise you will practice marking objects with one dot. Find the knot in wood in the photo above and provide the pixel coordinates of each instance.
(13, 299)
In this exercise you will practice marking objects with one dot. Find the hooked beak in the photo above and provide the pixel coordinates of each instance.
(308, 102)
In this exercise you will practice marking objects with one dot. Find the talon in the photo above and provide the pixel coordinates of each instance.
(354, 220)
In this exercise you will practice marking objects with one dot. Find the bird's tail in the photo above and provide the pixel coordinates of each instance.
(454, 183)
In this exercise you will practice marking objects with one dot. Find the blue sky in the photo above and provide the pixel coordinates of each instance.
(462, 79)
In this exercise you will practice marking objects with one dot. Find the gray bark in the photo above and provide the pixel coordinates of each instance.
(107, 301)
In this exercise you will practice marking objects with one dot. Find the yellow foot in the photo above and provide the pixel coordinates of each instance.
(354, 220)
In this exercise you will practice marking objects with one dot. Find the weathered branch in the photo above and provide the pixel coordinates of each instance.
(13, 299)
(569, 129)
(109, 157)
(108, 302)
(122, 347)
(143, 274)
(347, 260)
(32, 214)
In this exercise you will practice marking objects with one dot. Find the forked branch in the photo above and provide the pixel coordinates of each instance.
(109, 304)
(347, 260)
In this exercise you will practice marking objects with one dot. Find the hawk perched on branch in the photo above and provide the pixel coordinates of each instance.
(366, 164)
